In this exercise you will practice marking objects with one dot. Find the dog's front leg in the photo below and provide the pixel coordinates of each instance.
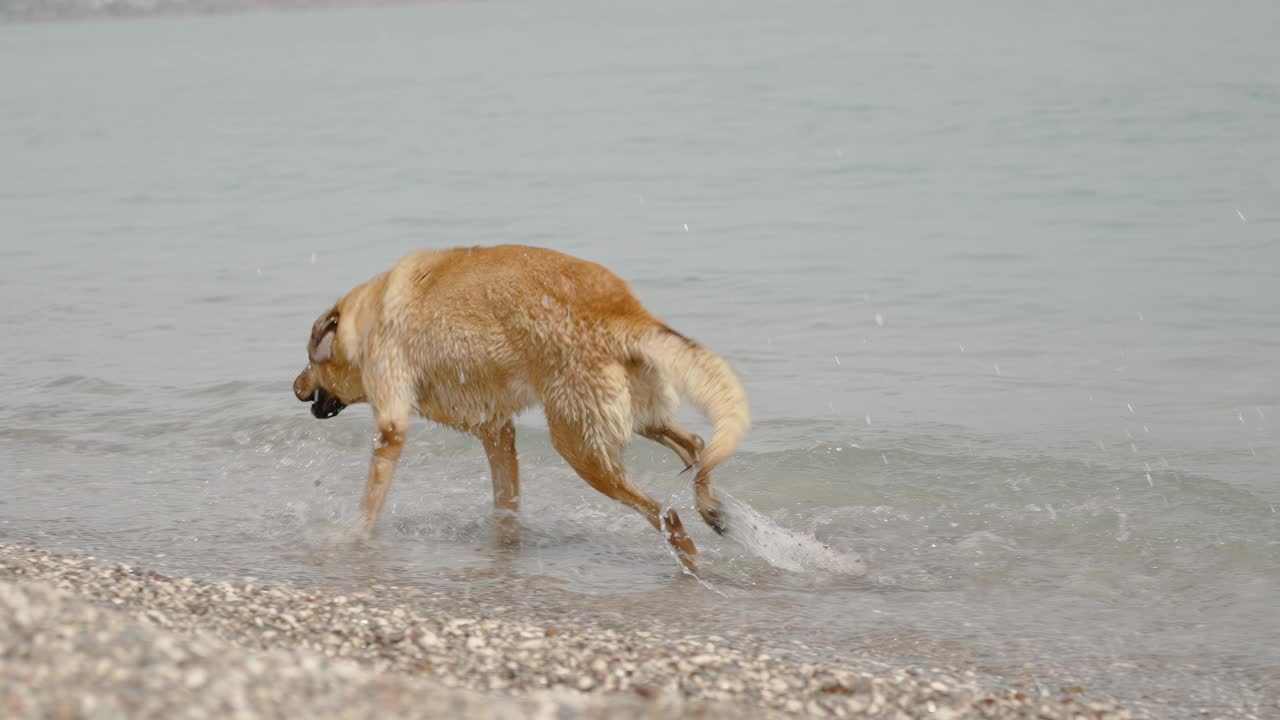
(382, 467)
(500, 446)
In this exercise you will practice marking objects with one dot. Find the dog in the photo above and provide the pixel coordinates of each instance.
(470, 337)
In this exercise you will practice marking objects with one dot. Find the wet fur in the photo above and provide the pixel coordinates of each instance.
(469, 337)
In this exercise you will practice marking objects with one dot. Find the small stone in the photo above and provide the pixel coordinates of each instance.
(390, 636)
(195, 678)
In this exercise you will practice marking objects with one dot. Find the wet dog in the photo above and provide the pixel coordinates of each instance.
(469, 337)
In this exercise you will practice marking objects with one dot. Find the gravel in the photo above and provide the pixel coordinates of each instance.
(84, 639)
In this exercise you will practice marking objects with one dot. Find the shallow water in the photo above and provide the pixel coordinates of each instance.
(1000, 281)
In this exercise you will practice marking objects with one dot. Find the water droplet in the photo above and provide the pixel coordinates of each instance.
(868, 418)
(997, 367)
(879, 320)
(1130, 406)
(837, 357)
(686, 227)
(1123, 534)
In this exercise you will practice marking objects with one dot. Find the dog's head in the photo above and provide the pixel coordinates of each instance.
(331, 380)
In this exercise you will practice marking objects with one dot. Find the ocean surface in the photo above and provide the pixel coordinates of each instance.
(1002, 281)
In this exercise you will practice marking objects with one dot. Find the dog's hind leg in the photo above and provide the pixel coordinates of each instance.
(683, 443)
(602, 469)
(500, 446)
(708, 503)
(688, 447)
(654, 401)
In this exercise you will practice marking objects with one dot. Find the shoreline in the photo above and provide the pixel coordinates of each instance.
(83, 638)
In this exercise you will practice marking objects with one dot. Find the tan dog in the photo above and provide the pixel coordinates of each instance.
(468, 337)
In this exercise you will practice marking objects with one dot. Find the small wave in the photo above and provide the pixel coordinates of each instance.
(86, 384)
(222, 389)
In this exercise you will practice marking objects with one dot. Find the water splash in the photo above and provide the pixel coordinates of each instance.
(784, 548)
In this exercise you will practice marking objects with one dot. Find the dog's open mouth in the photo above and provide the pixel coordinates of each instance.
(324, 405)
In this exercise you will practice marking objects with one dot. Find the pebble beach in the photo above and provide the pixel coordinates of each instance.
(81, 638)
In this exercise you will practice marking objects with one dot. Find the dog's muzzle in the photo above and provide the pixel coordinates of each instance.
(324, 405)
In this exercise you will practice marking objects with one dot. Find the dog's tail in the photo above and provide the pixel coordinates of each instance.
(707, 381)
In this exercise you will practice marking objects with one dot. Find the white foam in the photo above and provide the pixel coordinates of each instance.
(784, 548)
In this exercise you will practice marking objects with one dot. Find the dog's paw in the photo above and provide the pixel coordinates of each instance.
(713, 516)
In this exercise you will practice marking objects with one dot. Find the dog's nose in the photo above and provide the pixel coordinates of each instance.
(304, 386)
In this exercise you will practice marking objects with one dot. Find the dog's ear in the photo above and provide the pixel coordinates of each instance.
(321, 348)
